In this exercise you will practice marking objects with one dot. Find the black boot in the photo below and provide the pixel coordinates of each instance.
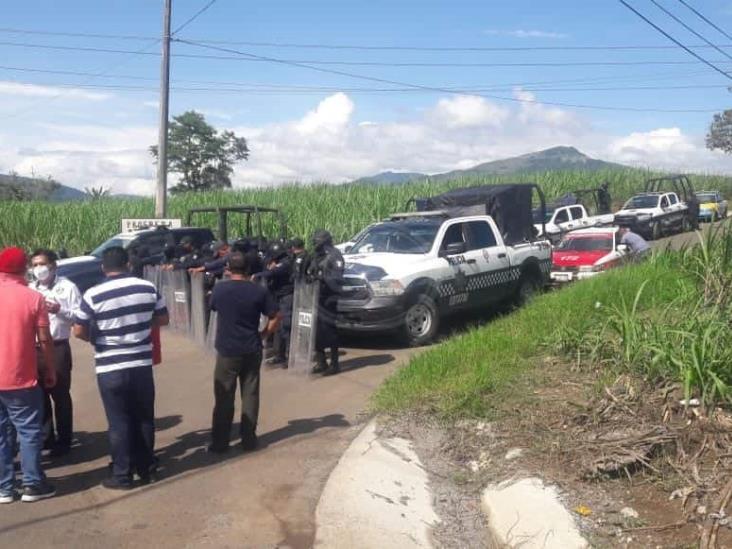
(321, 366)
(334, 363)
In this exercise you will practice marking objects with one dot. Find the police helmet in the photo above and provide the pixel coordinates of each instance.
(322, 238)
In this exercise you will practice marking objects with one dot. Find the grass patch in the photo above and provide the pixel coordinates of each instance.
(465, 376)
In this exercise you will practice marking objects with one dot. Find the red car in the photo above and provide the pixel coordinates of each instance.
(585, 253)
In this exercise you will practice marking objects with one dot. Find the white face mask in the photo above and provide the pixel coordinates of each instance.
(42, 273)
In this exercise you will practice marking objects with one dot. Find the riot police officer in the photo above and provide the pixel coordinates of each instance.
(278, 276)
(326, 266)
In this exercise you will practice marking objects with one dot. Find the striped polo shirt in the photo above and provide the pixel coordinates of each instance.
(118, 314)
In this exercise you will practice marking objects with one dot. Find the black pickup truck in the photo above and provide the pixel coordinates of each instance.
(86, 270)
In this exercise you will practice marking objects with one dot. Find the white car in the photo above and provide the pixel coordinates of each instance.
(405, 273)
(654, 214)
(585, 253)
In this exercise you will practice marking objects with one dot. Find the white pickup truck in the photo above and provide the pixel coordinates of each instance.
(654, 214)
(563, 219)
(408, 272)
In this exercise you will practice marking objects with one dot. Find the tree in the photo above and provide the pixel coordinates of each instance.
(96, 193)
(720, 132)
(202, 156)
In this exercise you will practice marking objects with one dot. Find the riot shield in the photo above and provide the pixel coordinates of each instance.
(211, 335)
(199, 309)
(304, 325)
(174, 288)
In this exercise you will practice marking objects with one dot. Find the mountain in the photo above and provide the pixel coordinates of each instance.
(16, 187)
(390, 178)
(554, 159)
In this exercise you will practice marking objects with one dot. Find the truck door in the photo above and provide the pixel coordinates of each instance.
(493, 282)
(463, 267)
(562, 220)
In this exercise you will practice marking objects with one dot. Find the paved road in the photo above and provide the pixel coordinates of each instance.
(263, 499)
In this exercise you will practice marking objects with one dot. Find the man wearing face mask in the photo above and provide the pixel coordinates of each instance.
(62, 299)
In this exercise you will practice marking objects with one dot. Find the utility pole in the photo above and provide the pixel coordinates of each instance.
(161, 193)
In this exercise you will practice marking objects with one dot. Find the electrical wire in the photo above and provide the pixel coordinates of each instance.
(705, 19)
(364, 47)
(193, 17)
(363, 63)
(432, 88)
(674, 40)
(689, 28)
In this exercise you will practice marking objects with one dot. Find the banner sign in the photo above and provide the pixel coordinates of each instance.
(129, 225)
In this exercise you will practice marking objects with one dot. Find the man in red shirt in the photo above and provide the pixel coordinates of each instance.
(23, 322)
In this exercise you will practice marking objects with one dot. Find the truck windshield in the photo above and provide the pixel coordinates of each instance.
(706, 197)
(397, 238)
(114, 241)
(642, 201)
(594, 243)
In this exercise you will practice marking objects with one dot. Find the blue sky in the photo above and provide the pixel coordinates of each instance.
(85, 129)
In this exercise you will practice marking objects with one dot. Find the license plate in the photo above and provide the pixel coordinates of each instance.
(563, 277)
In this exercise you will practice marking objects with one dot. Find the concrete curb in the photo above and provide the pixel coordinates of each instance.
(376, 497)
(528, 514)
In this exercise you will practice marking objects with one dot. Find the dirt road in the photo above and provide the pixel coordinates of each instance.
(263, 499)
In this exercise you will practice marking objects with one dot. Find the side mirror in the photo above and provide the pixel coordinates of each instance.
(347, 249)
(455, 248)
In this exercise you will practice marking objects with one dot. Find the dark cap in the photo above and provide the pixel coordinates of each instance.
(296, 243)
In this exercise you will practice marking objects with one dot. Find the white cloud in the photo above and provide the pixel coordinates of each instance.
(8, 87)
(329, 143)
(521, 33)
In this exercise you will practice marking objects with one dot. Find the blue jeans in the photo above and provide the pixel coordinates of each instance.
(23, 410)
(129, 402)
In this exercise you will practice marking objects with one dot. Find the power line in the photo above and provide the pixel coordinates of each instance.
(667, 35)
(274, 89)
(689, 28)
(510, 85)
(363, 63)
(429, 88)
(92, 76)
(194, 17)
(703, 18)
(364, 47)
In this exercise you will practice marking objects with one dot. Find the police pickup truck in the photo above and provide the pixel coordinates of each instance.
(654, 214)
(569, 218)
(413, 269)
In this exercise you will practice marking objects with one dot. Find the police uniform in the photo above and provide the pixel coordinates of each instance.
(280, 283)
(59, 406)
(327, 267)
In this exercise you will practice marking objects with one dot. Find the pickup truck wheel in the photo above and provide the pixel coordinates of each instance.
(421, 321)
(528, 287)
(656, 231)
(685, 225)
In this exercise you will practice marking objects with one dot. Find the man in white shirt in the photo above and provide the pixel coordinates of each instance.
(62, 301)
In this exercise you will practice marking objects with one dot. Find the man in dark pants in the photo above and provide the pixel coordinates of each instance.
(62, 299)
(239, 303)
(278, 276)
(117, 316)
(327, 267)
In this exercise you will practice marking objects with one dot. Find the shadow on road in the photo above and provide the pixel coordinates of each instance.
(185, 455)
(366, 361)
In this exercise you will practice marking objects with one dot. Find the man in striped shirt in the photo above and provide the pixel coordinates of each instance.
(117, 317)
